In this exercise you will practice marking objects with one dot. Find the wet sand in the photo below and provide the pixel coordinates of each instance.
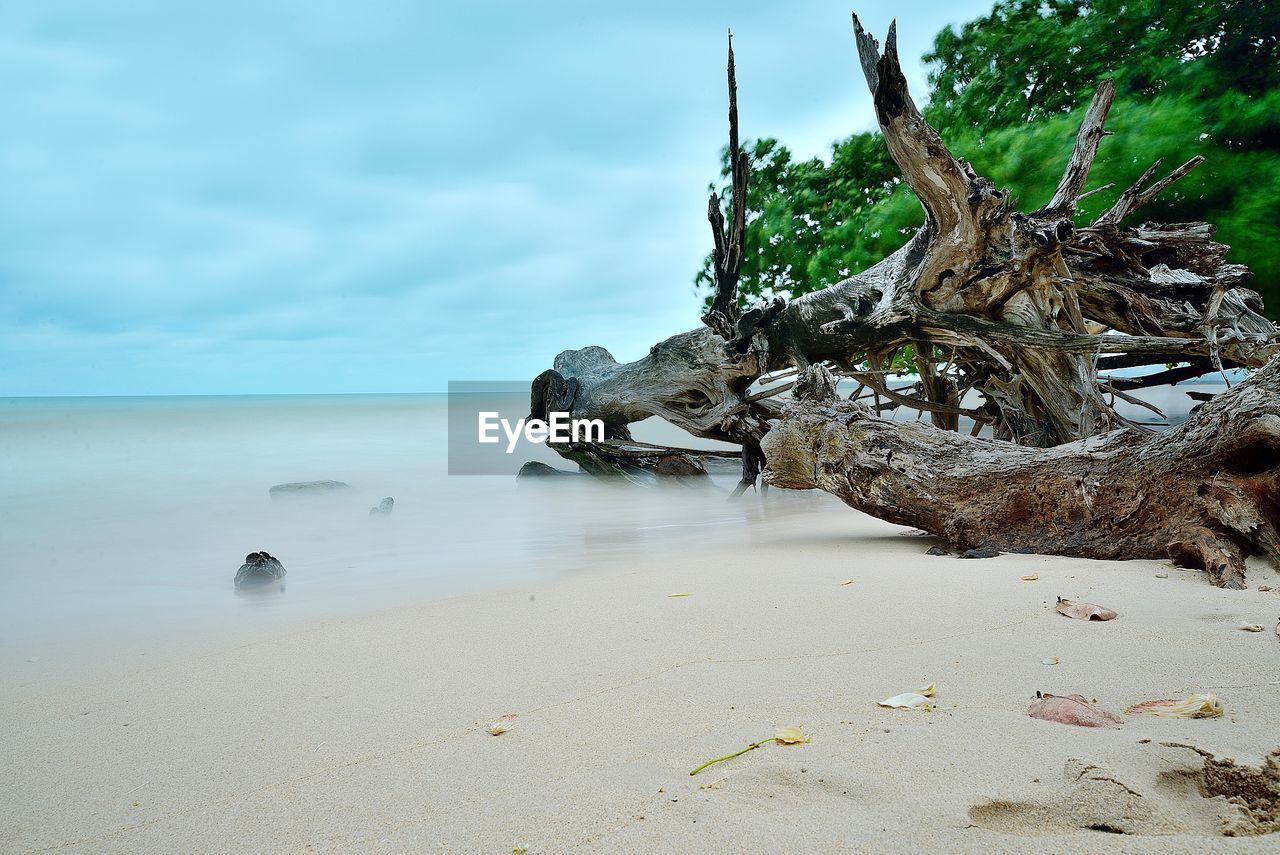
(368, 732)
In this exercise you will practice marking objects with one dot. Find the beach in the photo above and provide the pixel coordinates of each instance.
(369, 731)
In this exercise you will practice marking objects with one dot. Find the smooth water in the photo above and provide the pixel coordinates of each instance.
(135, 513)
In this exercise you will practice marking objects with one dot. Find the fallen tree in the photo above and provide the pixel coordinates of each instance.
(1206, 494)
(1020, 313)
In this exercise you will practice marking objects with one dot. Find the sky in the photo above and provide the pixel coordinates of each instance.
(382, 196)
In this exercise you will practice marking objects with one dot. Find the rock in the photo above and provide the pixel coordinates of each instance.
(937, 550)
(258, 571)
(384, 508)
(534, 469)
(683, 470)
(980, 552)
(307, 488)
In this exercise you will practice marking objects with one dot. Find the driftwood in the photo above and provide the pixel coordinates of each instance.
(1011, 319)
(1206, 494)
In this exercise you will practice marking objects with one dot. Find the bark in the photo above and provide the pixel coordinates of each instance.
(1206, 494)
(1011, 318)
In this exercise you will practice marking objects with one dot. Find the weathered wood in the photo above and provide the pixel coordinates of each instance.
(726, 257)
(640, 462)
(1071, 187)
(1009, 316)
(1206, 494)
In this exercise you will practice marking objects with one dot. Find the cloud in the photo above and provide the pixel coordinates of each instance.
(312, 197)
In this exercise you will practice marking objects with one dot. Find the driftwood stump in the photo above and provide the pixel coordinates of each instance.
(1013, 320)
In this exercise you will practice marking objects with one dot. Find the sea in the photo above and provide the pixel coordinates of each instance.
(130, 517)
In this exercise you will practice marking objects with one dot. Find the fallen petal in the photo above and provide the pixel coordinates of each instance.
(677, 595)
(928, 691)
(1031, 577)
(1084, 611)
(501, 726)
(1050, 660)
(1072, 709)
(907, 700)
(1252, 627)
(1197, 706)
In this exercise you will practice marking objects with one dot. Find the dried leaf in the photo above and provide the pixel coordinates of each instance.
(791, 735)
(847, 582)
(1252, 627)
(1197, 706)
(1031, 577)
(1084, 611)
(677, 595)
(1072, 709)
(1050, 660)
(502, 725)
(928, 691)
(907, 700)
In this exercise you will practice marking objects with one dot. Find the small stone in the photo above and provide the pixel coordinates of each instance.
(1264, 587)
(681, 468)
(534, 469)
(1162, 575)
(980, 552)
(306, 488)
(937, 550)
(259, 571)
(384, 508)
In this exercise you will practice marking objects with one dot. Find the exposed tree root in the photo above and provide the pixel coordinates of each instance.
(1011, 318)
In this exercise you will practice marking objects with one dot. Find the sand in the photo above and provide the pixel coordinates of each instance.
(368, 733)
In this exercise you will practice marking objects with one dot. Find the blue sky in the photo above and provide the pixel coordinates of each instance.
(308, 197)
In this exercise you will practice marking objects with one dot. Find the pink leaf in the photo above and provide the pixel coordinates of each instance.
(1072, 709)
(1084, 611)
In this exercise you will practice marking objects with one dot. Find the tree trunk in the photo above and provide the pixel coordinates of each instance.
(1206, 494)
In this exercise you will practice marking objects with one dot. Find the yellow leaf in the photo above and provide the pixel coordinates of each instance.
(791, 735)
(1031, 577)
(500, 726)
(677, 595)
(928, 691)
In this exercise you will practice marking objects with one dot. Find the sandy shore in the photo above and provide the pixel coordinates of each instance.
(368, 733)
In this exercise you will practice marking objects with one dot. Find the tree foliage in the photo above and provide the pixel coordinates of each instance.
(1008, 89)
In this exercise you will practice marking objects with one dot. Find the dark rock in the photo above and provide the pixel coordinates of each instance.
(937, 550)
(259, 570)
(384, 508)
(306, 488)
(980, 552)
(534, 469)
(681, 469)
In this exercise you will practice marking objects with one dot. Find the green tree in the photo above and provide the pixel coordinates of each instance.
(1008, 91)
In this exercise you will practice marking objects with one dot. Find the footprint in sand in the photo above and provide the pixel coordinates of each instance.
(1202, 795)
